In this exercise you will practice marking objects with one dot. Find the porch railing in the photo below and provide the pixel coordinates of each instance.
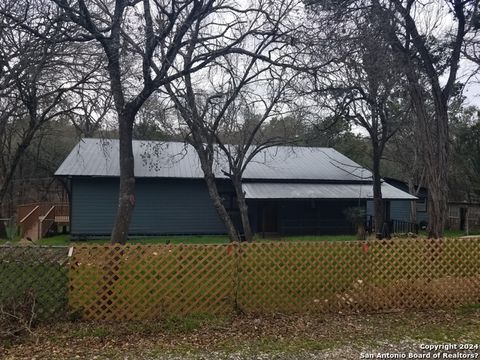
(394, 226)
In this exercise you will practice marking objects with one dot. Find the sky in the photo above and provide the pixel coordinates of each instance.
(472, 93)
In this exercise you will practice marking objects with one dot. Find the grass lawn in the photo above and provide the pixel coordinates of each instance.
(64, 239)
(249, 337)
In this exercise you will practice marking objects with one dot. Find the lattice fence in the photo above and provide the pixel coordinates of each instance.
(35, 274)
(359, 276)
(148, 281)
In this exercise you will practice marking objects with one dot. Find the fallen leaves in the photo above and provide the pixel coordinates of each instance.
(279, 336)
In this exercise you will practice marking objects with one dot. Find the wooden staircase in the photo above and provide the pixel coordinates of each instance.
(35, 220)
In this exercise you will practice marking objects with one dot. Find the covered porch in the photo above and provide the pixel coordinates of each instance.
(309, 208)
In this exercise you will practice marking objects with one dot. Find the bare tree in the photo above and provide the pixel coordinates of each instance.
(425, 55)
(241, 137)
(365, 86)
(404, 152)
(147, 45)
(94, 107)
(250, 80)
(471, 48)
(36, 77)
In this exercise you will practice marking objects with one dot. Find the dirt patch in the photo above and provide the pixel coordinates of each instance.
(276, 337)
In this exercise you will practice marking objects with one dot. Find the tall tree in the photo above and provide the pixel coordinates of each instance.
(246, 88)
(145, 43)
(434, 55)
(365, 85)
(36, 78)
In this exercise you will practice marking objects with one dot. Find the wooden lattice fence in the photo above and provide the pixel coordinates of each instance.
(149, 281)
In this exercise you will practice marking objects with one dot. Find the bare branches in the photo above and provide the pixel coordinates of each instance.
(38, 75)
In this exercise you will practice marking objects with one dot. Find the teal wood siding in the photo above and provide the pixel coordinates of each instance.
(163, 207)
(399, 210)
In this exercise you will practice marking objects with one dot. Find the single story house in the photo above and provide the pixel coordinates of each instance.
(289, 190)
(400, 209)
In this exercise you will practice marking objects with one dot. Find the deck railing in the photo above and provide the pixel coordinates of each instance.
(43, 214)
(394, 226)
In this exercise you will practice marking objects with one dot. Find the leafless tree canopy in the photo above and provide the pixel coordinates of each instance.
(234, 78)
(38, 78)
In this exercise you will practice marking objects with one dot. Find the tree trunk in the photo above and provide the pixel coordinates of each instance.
(433, 135)
(378, 205)
(242, 206)
(437, 203)
(209, 177)
(413, 203)
(438, 167)
(126, 194)
(219, 207)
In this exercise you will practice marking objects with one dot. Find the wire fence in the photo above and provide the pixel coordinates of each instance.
(34, 274)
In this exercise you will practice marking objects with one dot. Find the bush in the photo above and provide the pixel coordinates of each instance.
(18, 316)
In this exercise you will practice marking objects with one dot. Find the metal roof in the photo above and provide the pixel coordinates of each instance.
(99, 157)
(320, 191)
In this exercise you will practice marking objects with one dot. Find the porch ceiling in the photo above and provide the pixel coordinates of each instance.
(320, 191)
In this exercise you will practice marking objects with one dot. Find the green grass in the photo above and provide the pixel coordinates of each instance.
(451, 233)
(316, 238)
(64, 239)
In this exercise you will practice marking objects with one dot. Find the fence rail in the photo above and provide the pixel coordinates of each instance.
(400, 226)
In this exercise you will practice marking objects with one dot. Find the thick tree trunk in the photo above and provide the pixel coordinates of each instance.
(126, 194)
(437, 198)
(242, 206)
(413, 204)
(209, 177)
(219, 207)
(433, 134)
(379, 212)
(438, 171)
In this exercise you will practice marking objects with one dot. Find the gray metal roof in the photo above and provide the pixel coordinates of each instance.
(97, 157)
(320, 191)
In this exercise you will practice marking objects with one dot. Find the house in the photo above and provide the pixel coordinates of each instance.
(289, 190)
(462, 215)
(401, 209)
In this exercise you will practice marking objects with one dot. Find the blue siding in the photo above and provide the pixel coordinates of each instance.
(163, 206)
(399, 210)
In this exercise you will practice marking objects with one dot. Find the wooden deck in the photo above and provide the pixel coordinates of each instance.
(35, 220)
